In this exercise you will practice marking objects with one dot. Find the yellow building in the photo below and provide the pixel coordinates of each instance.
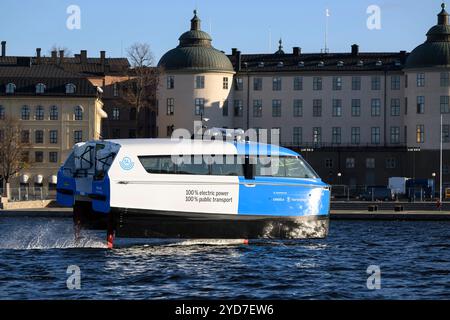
(56, 109)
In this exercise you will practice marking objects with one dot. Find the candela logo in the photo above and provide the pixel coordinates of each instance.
(126, 164)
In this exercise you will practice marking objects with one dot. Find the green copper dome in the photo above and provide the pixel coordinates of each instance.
(435, 52)
(195, 53)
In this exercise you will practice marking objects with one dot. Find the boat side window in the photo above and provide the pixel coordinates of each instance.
(270, 167)
(158, 165)
(196, 167)
(69, 165)
(228, 167)
(289, 167)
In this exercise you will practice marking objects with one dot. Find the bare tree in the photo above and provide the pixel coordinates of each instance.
(140, 90)
(58, 48)
(12, 148)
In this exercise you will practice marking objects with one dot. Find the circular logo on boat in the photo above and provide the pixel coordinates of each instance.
(126, 164)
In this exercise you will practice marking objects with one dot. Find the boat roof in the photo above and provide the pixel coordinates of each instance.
(196, 146)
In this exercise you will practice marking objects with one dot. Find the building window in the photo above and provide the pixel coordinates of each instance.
(336, 135)
(116, 113)
(257, 108)
(445, 82)
(257, 84)
(132, 133)
(53, 135)
(225, 83)
(169, 130)
(395, 135)
(370, 163)
(420, 79)
(391, 163)
(39, 113)
(317, 108)
(276, 84)
(298, 108)
(395, 82)
(199, 106)
(406, 81)
(350, 163)
(25, 136)
(2, 112)
(337, 83)
(337, 108)
(70, 88)
(53, 157)
(39, 136)
(317, 83)
(297, 137)
(170, 82)
(53, 113)
(77, 136)
(375, 135)
(116, 89)
(116, 133)
(276, 108)
(298, 83)
(356, 107)
(238, 84)
(10, 88)
(40, 88)
(25, 113)
(444, 104)
(238, 108)
(376, 83)
(356, 83)
(395, 107)
(356, 135)
(200, 82)
(38, 157)
(225, 108)
(376, 107)
(78, 113)
(446, 133)
(170, 109)
(420, 104)
(406, 105)
(329, 163)
(317, 135)
(420, 133)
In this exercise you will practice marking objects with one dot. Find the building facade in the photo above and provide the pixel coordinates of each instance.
(358, 117)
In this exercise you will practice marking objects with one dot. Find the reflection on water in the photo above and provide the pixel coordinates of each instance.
(414, 258)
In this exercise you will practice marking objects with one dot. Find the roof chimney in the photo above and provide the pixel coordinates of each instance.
(355, 50)
(61, 56)
(38, 55)
(238, 61)
(3, 48)
(296, 51)
(83, 56)
(102, 57)
(54, 56)
(233, 51)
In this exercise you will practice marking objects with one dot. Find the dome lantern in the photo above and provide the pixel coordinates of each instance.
(195, 53)
(435, 51)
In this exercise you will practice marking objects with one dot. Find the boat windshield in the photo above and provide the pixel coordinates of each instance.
(289, 167)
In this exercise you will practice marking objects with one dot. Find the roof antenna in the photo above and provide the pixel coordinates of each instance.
(327, 15)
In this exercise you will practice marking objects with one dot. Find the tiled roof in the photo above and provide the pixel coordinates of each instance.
(92, 66)
(371, 61)
(53, 77)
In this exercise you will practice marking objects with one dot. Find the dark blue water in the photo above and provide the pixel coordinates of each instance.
(414, 259)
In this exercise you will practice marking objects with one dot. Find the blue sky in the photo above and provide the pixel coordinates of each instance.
(114, 25)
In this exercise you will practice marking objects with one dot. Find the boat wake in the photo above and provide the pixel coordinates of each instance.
(45, 234)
